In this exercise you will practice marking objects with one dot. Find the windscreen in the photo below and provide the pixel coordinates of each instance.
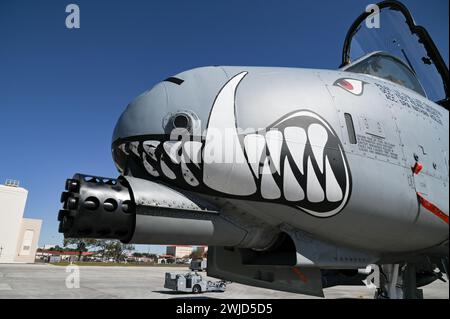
(393, 35)
(387, 67)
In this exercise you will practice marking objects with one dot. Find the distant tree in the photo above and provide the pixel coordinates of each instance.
(196, 254)
(108, 248)
(138, 255)
(114, 249)
(81, 244)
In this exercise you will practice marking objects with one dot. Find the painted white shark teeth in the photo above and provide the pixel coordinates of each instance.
(188, 175)
(274, 140)
(254, 147)
(269, 189)
(148, 167)
(150, 148)
(134, 148)
(292, 190)
(172, 148)
(123, 148)
(296, 139)
(318, 137)
(192, 150)
(314, 191)
(243, 174)
(231, 177)
(166, 170)
(333, 190)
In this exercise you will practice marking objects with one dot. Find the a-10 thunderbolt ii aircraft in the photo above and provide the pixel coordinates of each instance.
(296, 179)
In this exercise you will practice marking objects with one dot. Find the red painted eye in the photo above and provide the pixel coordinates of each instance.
(346, 85)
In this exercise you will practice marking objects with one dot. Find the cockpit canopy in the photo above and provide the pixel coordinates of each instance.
(388, 67)
(386, 42)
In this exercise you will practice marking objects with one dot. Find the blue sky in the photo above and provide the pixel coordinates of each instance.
(61, 90)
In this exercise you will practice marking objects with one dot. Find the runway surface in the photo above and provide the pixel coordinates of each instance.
(48, 281)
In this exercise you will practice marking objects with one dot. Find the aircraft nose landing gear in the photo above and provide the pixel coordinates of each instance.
(398, 282)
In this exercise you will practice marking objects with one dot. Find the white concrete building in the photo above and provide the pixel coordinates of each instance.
(179, 251)
(18, 236)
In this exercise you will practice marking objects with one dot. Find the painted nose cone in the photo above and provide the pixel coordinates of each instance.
(143, 115)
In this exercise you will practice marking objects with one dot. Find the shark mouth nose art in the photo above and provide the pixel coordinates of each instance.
(297, 161)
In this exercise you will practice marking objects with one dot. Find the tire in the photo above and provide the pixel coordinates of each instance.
(196, 289)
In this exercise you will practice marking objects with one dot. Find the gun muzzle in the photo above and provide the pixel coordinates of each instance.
(139, 211)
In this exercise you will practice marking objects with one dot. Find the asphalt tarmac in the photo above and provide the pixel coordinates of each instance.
(48, 281)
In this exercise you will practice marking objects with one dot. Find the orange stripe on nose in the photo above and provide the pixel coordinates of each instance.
(300, 274)
(432, 208)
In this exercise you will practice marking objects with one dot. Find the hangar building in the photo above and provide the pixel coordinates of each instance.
(18, 236)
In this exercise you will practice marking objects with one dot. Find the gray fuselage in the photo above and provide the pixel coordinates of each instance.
(371, 203)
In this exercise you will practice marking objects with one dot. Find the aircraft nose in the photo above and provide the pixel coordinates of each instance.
(183, 101)
(143, 114)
